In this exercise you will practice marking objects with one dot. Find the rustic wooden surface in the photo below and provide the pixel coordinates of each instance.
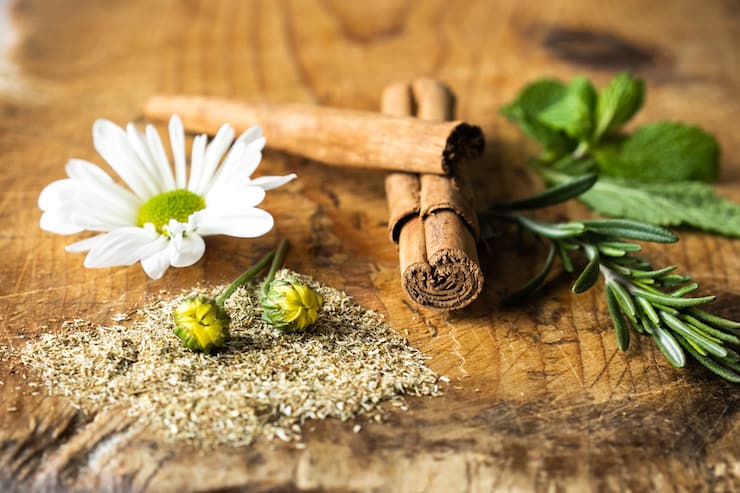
(540, 399)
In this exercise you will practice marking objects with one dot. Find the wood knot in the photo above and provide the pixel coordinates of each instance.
(598, 49)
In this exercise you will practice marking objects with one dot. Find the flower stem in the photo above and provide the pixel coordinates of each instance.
(246, 276)
(277, 261)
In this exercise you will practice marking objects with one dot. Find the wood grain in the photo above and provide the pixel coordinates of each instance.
(540, 398)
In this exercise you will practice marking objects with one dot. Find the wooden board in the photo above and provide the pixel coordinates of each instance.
(540, 398)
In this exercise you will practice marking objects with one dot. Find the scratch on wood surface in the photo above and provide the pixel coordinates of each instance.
(604, 368)
(19, 282)
(457, 349)
(416, 311)
(79, 285)
(570, 364)
(713, 426)
(513, 363)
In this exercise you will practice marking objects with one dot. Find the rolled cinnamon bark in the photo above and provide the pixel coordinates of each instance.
(331, 135)
(402, 192)
(437, 254)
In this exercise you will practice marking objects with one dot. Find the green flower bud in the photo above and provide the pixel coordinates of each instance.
(201, 324)
(290, 305)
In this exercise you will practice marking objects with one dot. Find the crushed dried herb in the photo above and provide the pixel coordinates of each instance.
(262, 384)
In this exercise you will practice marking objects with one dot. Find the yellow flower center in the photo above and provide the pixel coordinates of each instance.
(176, 204)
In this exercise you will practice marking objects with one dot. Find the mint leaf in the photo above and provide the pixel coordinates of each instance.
(667, 204)
(661, 152)
(608, 155)
(524, 111)
(573, 113)
(617, 103)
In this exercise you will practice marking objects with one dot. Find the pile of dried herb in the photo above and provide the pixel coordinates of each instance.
(262, 384)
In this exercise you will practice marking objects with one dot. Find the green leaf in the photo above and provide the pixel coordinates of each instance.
(535, 282)
(686, 289)
(732, 356)
(690, 333)
(714, 319)
(625, 247)
(617, 103)
(551, 230)
(667, 204)
(564, 257)
(662, 152)
(575, 166)
(620, 326)
(653, 273)
(524, 111)
(648, 310)
(590, 273)
(668, 300)
(553, 195)
(610, 251)
(710, 331)
(572, 113)
(607, 155)
(709, 363)
(624, 299)
(631, 230)
(733, 365)
(669, 347)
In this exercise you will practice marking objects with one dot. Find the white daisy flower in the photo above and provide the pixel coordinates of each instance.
(161, 219)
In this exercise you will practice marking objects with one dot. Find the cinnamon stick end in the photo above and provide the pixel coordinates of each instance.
(450, 281)
(464, 142)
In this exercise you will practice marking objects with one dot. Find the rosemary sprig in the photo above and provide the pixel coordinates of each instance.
(653, 302)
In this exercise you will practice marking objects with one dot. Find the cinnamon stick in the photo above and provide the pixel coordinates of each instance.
(403, 193)
(432, 217)
(331, 135)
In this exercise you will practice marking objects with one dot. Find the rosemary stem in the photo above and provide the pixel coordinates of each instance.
(610, 274)
(277, 261)
(246, 276)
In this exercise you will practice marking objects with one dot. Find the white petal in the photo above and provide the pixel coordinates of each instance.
(248, 223)
(52, 196)
(60, 224)
(177, 142)
(188, 249)
(197, 157)
(92, 175)
(125, 246)
(214, 153)
(157, 264)
(86, 244)
(71, 207)
(230, 197)
(234, 168)
(271, 182)
(253, 137)
(160, 158)
(81, 203)
(79, 169)
(112, 144)
(243, 158)
(144, 154)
